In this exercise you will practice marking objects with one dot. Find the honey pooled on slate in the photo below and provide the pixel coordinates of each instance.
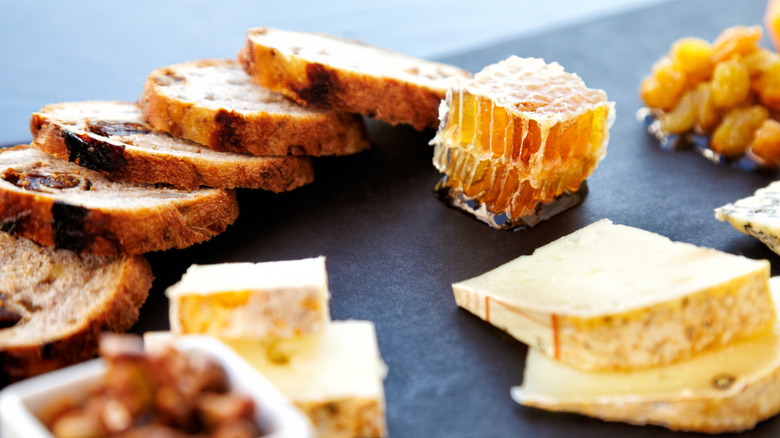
(517, 141)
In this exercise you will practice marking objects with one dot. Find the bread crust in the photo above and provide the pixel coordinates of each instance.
(116, 308)
(178, 220)
(384, 97)
(122, 157)
(258, 133)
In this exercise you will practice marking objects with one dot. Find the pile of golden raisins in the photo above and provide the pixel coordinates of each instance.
(728, 91)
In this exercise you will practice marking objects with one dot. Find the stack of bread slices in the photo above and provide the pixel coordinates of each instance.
(104, 182)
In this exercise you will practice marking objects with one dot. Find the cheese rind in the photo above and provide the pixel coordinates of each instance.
(728, 389)
(757, 215)
(251, 300)
(334, 377)
(616, 297)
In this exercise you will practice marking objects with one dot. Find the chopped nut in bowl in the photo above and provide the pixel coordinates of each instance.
(192, 387)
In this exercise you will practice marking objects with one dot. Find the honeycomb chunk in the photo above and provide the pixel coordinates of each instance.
(516, 142)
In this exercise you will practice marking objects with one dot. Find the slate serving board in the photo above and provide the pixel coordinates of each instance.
(393, 249)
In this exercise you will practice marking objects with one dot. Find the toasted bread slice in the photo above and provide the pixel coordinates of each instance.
(215, 103)
(325, 71)
(61, 204)
(55, 303)
(112, 137)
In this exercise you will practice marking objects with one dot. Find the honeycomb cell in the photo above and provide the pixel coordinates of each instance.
(521, 134)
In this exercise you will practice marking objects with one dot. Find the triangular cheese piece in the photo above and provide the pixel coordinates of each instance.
(616, 297)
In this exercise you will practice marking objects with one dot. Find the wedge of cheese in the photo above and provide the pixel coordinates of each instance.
(728, 389)
(251, 300)
(615, 297)
(757, 215)
(334, 377)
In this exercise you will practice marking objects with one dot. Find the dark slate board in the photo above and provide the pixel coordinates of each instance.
(393, 250)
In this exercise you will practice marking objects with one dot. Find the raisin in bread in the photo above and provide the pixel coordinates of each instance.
(215, 103)
(112, 137)
(325, 71)
(61, 204)
(55, 303)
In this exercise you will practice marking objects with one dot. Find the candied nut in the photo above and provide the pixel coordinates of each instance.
(114, 346)
(236, 429)
(216, 409)
(208, 374)
(173, 408)
(78, 425)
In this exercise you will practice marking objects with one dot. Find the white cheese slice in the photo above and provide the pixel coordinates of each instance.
(615, 297)
(335, 377)
(728, 389)
(251, 300)
(757, 215)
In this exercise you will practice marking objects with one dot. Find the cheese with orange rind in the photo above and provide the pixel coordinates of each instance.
(728, 389)
(616, 297)
(280, 299)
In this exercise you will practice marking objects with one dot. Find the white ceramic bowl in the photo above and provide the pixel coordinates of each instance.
(20, 402)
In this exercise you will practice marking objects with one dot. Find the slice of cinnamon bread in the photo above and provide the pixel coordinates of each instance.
(112, 137)
(55, 303)
(215, 103)
(326, 71)
(61, 204)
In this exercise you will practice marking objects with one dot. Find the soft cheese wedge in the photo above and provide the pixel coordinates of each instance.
(722, 390)
(615, 297)
(251, 300)
(335, 377)
(757, 215)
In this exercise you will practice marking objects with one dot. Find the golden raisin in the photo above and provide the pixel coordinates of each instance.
(735, 133)
(737, 40)
(766, 143)
(759, 61)
(694, 57)
(663, 88)
(768, 86)
(730, 84)
(707, 117)
(682, 117)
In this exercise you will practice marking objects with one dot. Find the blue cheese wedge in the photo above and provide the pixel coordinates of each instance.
(757, 215)
(615, 297)
(728, 389)
(251, 300)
